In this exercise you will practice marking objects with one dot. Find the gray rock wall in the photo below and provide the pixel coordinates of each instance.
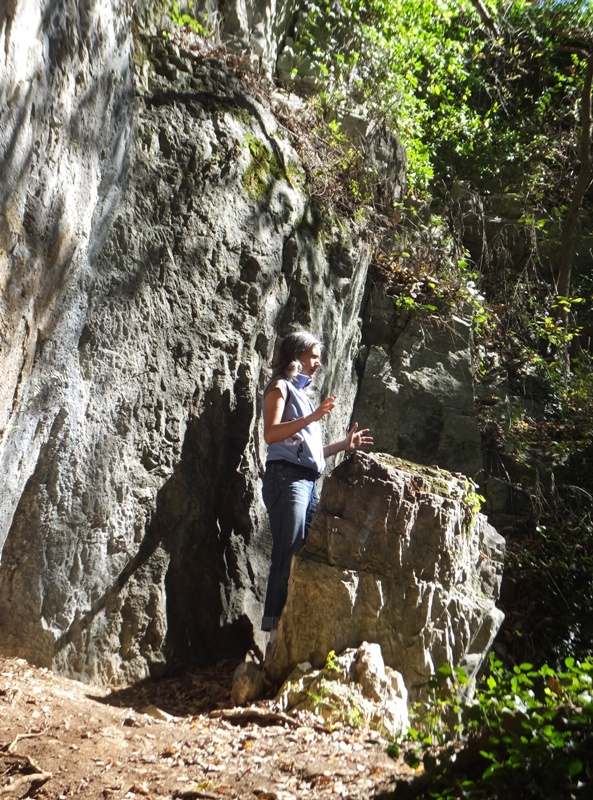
(65, 105)
(255, 26)
(153, 248)
(416, 391)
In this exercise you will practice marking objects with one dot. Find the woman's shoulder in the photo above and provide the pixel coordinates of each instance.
(277, 383)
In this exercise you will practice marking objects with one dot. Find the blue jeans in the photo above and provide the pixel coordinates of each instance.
(290, 497)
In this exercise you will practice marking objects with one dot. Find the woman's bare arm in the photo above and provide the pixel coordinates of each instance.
(275, 430)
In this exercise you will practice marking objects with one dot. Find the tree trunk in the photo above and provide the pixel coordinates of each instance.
(582, 183)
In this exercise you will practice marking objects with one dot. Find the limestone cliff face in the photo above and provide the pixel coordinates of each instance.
(259, 26)
(65, 100)
(153, 248)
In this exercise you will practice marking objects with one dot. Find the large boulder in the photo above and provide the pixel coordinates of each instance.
(397, 555)
(154, 246)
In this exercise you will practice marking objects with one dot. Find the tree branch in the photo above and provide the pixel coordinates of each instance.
(487, 19)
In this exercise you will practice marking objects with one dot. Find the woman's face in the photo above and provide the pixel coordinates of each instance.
(310, 360)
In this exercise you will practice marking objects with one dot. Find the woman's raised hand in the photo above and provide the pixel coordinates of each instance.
(324, 407)
(355, 439)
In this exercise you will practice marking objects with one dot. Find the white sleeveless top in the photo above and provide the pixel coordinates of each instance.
(306, 446)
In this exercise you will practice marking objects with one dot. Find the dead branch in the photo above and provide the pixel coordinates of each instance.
(36, 778)
(195, 794)
(9, 748)
(260, 716)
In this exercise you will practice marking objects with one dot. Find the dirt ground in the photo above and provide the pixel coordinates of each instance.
(174, 738)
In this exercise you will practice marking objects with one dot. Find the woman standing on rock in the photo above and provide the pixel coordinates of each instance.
(296, 458)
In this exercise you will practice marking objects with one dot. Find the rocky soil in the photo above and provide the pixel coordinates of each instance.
(179, 737)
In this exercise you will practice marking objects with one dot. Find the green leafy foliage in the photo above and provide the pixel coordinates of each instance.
(393, 58)
(528, 733)
(540, 440)
(541, 444)
(185, 20)
(472, 503)
(453, 91)
(331, 662)
(552, 562)
(537, 77)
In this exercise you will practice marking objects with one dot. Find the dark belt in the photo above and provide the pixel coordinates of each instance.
(307, 472)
